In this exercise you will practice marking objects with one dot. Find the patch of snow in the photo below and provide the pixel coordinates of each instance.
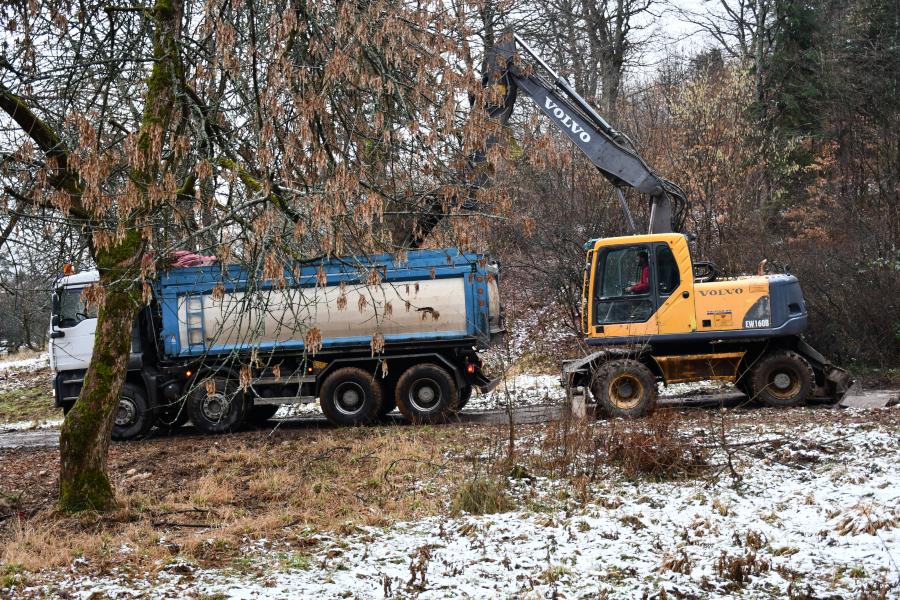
(29, 425)
(521, 390)
(26, 364)
(815, 510)
(693, 388)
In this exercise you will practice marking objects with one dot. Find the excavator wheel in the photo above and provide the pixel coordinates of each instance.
(624, 388)
(782, 379)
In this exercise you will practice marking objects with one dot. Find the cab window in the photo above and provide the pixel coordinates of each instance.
(622, 286)
(71, 308)
(667, 271)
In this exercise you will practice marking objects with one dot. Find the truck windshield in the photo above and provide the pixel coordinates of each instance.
(71, 309)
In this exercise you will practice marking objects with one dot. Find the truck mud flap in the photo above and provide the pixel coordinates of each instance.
(484, 388)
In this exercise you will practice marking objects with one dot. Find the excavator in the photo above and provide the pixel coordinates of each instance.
(652, 312)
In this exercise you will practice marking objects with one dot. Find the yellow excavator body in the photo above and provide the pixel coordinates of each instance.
(672, 305)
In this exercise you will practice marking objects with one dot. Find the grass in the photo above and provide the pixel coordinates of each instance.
(481, 496)
(22, 354)
(206, 496)
(28, 404)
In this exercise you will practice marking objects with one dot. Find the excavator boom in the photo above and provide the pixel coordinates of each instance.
(610, 151)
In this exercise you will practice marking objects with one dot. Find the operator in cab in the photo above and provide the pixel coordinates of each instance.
(643, 284)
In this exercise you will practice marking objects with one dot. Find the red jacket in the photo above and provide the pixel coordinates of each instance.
(644, 284)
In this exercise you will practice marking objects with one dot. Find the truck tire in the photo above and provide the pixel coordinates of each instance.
(259, 414)
(465, 394)
(426, 393)
(782, 379)
(134, 415)
(171, 416)
(351, 396)
(624, 388)
(218, 410)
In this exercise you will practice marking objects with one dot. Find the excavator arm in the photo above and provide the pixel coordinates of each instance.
(611, 151)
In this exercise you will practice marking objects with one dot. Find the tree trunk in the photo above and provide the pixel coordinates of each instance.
(84, 441)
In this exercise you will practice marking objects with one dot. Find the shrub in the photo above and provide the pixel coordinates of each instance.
(653, 447)
(481, 496)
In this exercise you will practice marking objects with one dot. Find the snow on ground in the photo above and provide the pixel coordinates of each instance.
(522, 390)
(28, 425)
(815, 511)
(534, 390)
(26, 364)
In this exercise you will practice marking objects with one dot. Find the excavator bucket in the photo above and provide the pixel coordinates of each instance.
(495, 72)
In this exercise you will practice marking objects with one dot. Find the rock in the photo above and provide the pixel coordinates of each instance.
(130, 472)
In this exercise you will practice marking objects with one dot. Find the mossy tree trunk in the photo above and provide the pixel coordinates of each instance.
(84, 441)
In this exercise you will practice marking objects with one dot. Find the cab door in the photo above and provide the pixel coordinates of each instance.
(71, 331)
(622, 306)
(674, 287)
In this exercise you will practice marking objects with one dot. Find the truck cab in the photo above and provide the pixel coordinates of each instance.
(72, 327)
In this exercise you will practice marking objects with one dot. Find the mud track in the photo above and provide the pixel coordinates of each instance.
(49, 438)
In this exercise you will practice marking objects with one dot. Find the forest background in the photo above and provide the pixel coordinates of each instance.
(779, 117)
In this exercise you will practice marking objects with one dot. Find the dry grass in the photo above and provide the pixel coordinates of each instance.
(22, 354)
(655, 447)
(739, 569)
(481, 496)
(205, 496)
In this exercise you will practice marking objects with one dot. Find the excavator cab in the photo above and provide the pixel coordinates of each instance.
(638, 286)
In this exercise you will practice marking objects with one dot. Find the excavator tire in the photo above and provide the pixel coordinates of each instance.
(782, 379)
(624, 388)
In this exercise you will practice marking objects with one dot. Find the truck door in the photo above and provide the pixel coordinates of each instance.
(72, 330)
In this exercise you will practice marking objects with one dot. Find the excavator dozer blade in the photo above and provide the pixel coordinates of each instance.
(857, 397)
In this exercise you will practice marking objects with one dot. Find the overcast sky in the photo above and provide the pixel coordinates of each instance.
(667, 33)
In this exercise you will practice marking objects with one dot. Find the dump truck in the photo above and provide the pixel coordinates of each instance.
(221, 345)
(651, 312)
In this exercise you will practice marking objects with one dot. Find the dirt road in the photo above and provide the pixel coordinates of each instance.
(48, 438)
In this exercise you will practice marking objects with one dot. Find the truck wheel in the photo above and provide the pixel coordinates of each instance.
(465, 394)
(782, 379)
(624, 388)
(216, 405)
(350, 396)
(260, 413)
(426, 393)
(172, 416)
(134, 415)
